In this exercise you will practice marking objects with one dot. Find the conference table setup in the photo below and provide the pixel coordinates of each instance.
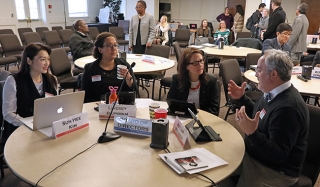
(310, 88)
(230, 52)
(127, 161)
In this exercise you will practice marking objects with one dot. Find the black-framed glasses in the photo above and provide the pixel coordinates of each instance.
(286, 34)
(116, 46)
(195, 63)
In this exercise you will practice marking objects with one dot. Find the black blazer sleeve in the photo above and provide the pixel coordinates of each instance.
(173, 92)
(87, 85)
(210, 96)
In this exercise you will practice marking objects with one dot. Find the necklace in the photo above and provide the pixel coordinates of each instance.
(197, 87)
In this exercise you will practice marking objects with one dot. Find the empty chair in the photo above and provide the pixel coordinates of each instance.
(53, 40)
(69, 27)
(243, 35)
(252, 59)
(31, 37)
(6, 61)
(40, 30)
(93, 32)
(6, 31)
(11, 45)
(119, 33)
(182, 37)
(57, 28)
(21, 31)
(65, 36)
(60, 67)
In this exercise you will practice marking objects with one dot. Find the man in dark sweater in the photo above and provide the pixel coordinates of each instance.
(275, 127)
(278, 16)
(81, 43)
(256, 18)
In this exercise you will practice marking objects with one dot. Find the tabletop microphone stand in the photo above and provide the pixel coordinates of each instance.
(108, 136)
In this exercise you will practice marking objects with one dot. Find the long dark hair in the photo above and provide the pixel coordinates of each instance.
(239, 9)
(206, 31)
(183, 74)
(30, 52)
(99, 43)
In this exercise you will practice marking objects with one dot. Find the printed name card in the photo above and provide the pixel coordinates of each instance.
(70, 124)
(131, 125)
(150, 59)
(296, 70)
(120, 110)
(181, 133)
(315, 73)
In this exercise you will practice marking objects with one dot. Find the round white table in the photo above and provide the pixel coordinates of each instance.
(127, 161)
(230, 51)
(311, 87)
(160, 64)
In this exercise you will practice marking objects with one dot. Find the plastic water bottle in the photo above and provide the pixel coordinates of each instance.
(113, 94)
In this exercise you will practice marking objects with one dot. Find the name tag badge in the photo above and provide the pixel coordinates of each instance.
(262, 113)
(96, 78)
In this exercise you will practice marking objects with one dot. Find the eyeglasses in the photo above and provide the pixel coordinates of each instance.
(138, 7)
(116, 46)
(286, 34)
(195, 63)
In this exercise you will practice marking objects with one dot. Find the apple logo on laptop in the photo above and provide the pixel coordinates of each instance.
(60, 110)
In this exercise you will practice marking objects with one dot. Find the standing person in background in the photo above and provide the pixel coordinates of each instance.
(162, 29)
(278, 16)
(255, 17)
(238, 21)
(227, 17)
(298, 39)
(222, 32)
(204, 30)
(264, 21)
(142, 29)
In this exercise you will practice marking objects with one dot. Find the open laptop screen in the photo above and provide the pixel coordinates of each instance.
(193, 26)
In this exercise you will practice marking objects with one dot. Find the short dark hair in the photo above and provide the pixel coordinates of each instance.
(262, 5)
(239, 9)
(143, 3)
(283, 27)
(276, 2)
(99, 43)
(303, 8)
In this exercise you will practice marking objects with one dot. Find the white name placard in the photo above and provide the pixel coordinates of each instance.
(315, 73)
(296, 70)
(148, 58)
(131, 125)
(119, 110)
(181, 133)
(70, 124)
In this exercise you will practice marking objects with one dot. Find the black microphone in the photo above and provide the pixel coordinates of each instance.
(108, 136)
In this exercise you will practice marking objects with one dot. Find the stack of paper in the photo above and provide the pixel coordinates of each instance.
(199, 159)
(196, 46)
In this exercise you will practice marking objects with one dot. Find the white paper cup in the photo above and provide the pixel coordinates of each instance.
(119, 67)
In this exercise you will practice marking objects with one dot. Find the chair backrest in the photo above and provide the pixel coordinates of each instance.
(125, 25)
(211, 27)
(40, 30)
(118, 32)
(57, 28)
(93, 32)
(248, 42)
(69, 27)
(170, 37)
(182, 35)
(60, 64)
(65, 36)
(158, 50)
(177, 51)
(6, 31)
(31, 37)
(311, 165)
(252, 59)
(230, 70)
(52, 39)
(183, 27)
(21, 31)
(10, 44)
(243, 35)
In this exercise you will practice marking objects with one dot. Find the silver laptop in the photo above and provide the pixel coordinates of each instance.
(50, 109)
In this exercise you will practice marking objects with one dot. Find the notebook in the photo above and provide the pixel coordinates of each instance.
(50, 109)
(193, 26)
(180, 108)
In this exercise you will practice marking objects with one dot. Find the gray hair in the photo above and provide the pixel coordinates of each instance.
(303, 8)
(279, 61)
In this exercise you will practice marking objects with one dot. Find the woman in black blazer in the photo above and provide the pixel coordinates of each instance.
(192, 84)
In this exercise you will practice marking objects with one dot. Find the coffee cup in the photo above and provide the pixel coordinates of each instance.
(152, 107)
(119, 67)
(160, 113)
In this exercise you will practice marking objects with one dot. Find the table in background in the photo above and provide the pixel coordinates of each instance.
(313, 47)
(125, 161)
(230, 52)
(141, 66)
(311, 87)
(102, 27)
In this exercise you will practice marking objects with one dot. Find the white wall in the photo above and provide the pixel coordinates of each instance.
(152, 8)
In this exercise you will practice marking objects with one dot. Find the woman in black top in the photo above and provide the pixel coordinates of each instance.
(204, 30)
(102, 73)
